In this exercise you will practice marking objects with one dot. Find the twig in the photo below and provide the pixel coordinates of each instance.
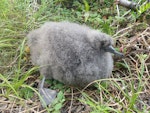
(122, 30)
(128, 4)
(118, 10)
(71, 100)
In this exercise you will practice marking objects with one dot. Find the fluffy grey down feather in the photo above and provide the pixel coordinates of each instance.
(71, 53)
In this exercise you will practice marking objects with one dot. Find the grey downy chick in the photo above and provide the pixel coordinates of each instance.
(70, 53)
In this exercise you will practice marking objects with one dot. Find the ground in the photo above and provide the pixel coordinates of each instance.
(128, 89)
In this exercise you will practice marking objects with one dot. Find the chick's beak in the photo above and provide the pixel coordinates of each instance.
(112, 50)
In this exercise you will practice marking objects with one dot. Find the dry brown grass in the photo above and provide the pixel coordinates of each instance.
(128, 90)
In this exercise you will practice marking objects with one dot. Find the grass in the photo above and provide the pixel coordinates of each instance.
(126, 91)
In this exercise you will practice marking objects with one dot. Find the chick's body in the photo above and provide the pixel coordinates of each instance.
(70, 53)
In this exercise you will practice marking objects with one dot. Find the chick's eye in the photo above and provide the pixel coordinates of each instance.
(102, 43)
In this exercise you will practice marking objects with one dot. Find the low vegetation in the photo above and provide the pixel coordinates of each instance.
(128, 89)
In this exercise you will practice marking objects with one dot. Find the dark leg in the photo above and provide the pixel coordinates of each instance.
(47, 95)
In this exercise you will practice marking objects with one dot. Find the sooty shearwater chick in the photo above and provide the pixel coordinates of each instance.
(70, 53)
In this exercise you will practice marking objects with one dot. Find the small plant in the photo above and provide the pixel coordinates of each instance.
(143, 8)
(58, 103)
